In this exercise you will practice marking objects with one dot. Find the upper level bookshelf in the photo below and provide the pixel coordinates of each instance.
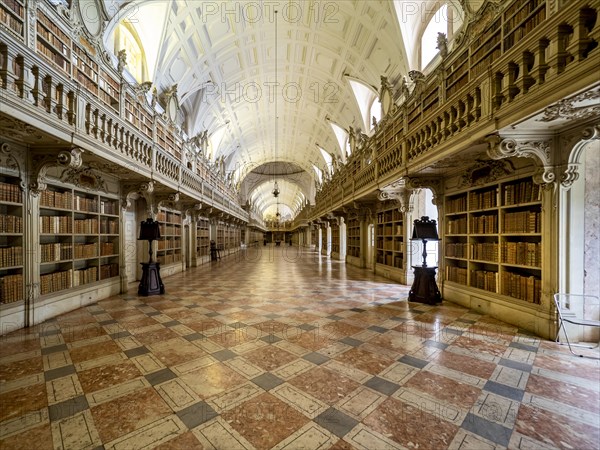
(11, 241)
(79, 238)
(390, 238)
(493, 238)
(12, 15)
(85, 70)
(169, 245)
(487, 44)
(353, 240)
(53, 43)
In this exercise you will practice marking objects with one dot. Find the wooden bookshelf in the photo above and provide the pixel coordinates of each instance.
(11, 241)
(520, 18)
(335, 238)
(85, 70)
(493, 239)
(486, 48)
(202, 237)
(390, 238)
(52, 43)
(457, 74)
(109, 89)
(169, 245)
(79, 238)
(12, 15)
(353, 238)
(132, 111)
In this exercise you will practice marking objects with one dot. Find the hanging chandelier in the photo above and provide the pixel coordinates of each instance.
(275, 190)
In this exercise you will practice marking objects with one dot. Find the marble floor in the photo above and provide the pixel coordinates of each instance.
(276, 349)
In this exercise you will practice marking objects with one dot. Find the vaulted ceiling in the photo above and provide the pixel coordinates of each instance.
(267, 84)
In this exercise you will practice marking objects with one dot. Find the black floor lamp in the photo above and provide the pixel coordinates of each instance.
(424, 288)
(150, 284)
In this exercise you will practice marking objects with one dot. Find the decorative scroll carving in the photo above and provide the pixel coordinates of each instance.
(486, 172)
(84, 178)
(539, 150)
(568, 108)
(571, 174)
(70, 159)
(14, 160)
(132, 191)
(170, 200)
(400, 194)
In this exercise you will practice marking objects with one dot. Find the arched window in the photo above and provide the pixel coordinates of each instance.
(126, 38)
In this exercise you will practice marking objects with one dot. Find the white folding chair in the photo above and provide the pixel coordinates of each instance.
(576, 309)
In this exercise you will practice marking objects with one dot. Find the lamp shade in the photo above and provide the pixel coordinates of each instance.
(425, 229)
(149, 230)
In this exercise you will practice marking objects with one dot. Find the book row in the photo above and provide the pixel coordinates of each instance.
(11, 256)
(528, 288)
(55, 199)
(484, 279)
(11, 288)
(523, 253)
(11, 224)
(10, 193)
(65, 279)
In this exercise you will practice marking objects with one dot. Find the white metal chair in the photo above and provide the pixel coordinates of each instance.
(582, 310)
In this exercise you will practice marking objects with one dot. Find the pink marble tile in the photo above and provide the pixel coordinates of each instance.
(460, 394)
(269, 357)
(369, 362)
(318, 383)
(250, 418)
(564, 392)
(410, 425)
(556, 430)
(128, 413)
(38, 438)
(466, 364)
(20, 369)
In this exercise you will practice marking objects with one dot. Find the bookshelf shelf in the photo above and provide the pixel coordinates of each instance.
(335, 238)
(353, 238)
(12, 15)
(73, 256)
(498, 247)
(52, 43)
(390, 238)
(169, 245)
(11, 241)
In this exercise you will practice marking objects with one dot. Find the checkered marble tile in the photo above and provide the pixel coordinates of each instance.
(289, 351)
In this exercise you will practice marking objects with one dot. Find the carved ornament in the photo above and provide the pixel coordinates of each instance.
(69, 159)
(578, 107)
(538, 150)
(571, 174)
(12, 159)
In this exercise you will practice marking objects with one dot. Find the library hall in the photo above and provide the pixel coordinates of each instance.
(300, 224)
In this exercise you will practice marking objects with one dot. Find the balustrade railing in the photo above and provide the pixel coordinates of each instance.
(34, 86)
(502, 68)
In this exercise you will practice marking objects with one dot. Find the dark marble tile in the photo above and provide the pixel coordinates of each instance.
(381, 385)
(67, 408)
(316, 358)
(53, 374)
(504, 391)
(486, 429)
(267, 381)
(336, 422)
(196, 414)
(160, 376)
